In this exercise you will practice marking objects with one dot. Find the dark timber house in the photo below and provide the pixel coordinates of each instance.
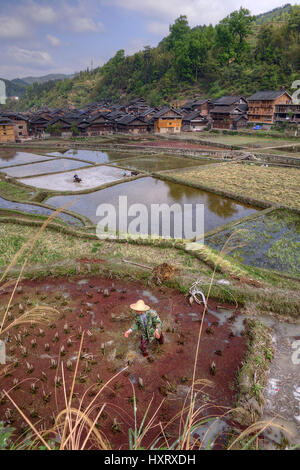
(194, 121)
(229, 112)
(131, 124)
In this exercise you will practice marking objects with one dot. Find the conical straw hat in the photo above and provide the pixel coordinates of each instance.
(140, 306)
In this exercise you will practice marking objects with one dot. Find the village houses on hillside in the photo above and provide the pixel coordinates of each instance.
(262, 109)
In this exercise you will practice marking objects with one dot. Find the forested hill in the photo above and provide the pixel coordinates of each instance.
(14, 88)
(239, 55)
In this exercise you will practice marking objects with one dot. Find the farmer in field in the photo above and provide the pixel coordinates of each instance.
(148, 321)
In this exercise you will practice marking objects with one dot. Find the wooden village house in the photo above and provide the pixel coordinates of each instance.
(229, 112)
(167, 121)
(20, 122)
(287, 113)
(194, 121)
(131, 124)
(99, 124)
(262, 105)
(7, 130)
(203, 105)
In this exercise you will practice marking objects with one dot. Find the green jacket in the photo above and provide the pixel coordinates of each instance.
(153, 322)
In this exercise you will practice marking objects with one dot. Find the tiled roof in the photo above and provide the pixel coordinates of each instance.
(267, 95)
(227, 100)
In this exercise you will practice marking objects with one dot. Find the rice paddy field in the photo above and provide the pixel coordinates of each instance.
(272, 185)
(270, 241)
(91, 283)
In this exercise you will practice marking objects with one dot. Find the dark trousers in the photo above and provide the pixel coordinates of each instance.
(145, 343)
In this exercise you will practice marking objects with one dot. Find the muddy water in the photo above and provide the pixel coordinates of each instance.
(38, 210)
(9, 157)
(217, 210)
(44, 167)
(283, 389)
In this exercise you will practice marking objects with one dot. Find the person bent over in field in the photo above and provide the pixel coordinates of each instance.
(148, 321)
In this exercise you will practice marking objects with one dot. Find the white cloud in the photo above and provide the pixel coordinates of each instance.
(26, 56)
(54, 41)
(159, 28)
(135, 45)
(38, 13)
(12, 28)
(85, 25)
(199, 12)
(78, 16)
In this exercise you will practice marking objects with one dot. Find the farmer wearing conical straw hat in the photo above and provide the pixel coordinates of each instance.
(148, 321)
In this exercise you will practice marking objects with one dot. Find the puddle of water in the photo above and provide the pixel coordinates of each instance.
(2, 352)
(91, 178)
(9, 157)
(44, 167)
(38, 210)
(221, 316)
(92, 314)
(209, 432)
(147, 293)
(47, 356)
(133, 378)
(147, 191)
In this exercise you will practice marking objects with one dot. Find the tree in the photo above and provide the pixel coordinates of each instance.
(231, 34)
(178, 31)
(74, 129)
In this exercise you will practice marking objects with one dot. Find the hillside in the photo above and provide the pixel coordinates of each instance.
(14, 88)
(237, 56)
(277, 14)
(43, 79)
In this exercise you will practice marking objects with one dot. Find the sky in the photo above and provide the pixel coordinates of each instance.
(38, 37)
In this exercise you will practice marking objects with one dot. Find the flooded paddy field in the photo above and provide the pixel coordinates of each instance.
(100, 306)
(218, 210)
(91, 178)
(271, 241)
(10, 157)
(93, 156)
(37, 210)
(55, 165)
(161, 162)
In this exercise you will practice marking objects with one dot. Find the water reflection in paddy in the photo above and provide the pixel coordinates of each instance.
(52, 166)
(37, 210)
(94, 156)
(9, 157)
(217, 210)
(133, 160)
